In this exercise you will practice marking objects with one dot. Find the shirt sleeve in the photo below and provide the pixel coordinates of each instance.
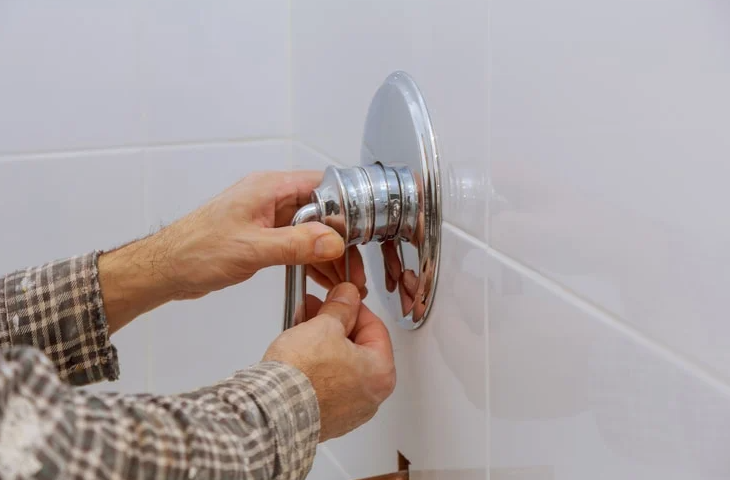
(57, 308)
(261, 423)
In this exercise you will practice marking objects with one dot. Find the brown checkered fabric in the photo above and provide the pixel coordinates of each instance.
(57, 308)
(262, 423)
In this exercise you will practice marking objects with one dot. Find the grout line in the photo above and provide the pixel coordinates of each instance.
(467, 236)
(333, 460)
(488, 75)
(85, 152)
(318, 152)
(596, 311)
(605, 316)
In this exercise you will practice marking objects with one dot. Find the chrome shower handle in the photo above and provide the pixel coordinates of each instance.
(295, 301)
(393, 197)
(363, 204)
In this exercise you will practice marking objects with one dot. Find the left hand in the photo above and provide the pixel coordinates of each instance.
(226, 241)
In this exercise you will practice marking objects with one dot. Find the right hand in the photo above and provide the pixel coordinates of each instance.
(346, 353)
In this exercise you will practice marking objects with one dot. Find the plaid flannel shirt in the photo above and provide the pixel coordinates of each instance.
(261, 423)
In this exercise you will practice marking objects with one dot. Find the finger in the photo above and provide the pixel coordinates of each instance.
(289, 187)
(392, 263)
(319, 278)
(335, 271)
(390, 284)
(370, 332)
(407, 289)
(308, 310)
(293, 191)
(303, 244)
(313, 305)
(287, 191)
(328, 270)
(357, 268)
(342, 303)
(324, 274)
(410, 282)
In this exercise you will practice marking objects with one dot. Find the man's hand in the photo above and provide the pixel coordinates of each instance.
(224, 242)
(346, 353)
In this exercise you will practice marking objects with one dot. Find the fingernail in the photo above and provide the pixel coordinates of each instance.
(364, 292)
(328, 245)
(334, 292)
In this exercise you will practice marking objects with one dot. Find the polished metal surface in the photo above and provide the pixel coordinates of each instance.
(392, 199)
(399, 133)
(296, 281)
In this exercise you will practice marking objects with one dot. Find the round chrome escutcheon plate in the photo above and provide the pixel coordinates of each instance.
(398, 132)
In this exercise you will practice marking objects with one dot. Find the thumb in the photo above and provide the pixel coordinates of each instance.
(303, 244)
(342, 303)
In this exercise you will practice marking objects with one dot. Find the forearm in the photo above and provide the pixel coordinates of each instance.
(133, 281)
(69, 308)
(261, 423)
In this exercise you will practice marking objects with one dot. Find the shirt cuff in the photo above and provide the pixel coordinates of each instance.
(58, 309)
(288, 400)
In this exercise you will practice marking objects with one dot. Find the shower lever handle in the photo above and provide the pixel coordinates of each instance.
(296, 276)
(366, 204)
(392, 198)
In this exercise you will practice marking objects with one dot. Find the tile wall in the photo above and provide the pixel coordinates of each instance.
(579, 329)
(579, 326)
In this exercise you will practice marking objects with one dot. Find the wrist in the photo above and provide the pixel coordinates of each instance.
(133, 281)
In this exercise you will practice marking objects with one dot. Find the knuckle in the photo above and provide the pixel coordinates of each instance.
(384, 383)
(341, 312)
(336, 309)
(388, 382)
(248, 251)
(291, 250)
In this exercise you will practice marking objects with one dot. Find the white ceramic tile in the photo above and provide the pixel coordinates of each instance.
(179, 179)
(216, 70)
(609, 158)
(304, 158)
(198, 342)
(341, 53)
(438, 414)
(58, 207)
(83, 75)
(573, 396)
(69, 75)
(62, 206)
